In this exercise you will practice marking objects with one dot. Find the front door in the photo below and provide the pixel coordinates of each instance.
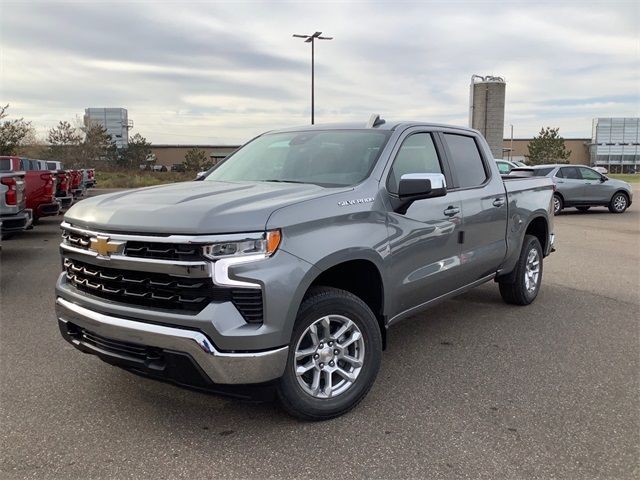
(425, 255)
(595, 190)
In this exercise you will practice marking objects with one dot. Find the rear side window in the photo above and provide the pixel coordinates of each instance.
(466, 159)
(570, 172)
(416, 155)
(542, 172)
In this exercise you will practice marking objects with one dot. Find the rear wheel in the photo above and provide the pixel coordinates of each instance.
(334, 355)
(582, 209)
(523, 286)
(619, 203)
(557, 204)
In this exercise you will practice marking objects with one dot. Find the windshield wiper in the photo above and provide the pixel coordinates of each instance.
(283, 181)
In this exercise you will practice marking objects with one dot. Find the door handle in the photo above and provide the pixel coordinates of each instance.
(498, 202)
(451, 211)
(559, 181)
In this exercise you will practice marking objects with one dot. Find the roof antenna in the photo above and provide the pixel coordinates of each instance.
(375, 120)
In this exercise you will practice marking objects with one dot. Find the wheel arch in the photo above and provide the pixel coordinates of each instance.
(360, 275)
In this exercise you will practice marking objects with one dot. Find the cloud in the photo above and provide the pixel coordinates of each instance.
(226, 71)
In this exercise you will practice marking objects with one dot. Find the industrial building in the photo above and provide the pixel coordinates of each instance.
(168, 155)
(114, 120)
(615, 144)
(518, 150)
(486, 109)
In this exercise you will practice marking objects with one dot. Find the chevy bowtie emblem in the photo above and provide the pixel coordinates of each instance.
(104, 247)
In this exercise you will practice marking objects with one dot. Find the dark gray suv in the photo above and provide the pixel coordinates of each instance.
(582, 187)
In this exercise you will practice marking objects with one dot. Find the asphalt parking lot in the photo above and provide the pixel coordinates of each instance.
(473, 388)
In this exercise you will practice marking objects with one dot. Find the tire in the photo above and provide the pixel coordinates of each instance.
(306, 396)
(582, 209)
(522, 289)
(558, 204)
(619, 202)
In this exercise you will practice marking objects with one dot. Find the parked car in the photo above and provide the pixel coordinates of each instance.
(288, 261)
(601, 170)
(177, 167)
(14, 216)
(40, 185)
(63, 183)
(582, 187)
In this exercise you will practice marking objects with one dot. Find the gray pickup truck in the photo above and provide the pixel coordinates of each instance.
(14, 217)
(285, 265)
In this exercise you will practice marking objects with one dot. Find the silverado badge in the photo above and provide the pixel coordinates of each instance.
(103, 247)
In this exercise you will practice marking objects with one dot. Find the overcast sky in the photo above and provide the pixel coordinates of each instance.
(221, 72)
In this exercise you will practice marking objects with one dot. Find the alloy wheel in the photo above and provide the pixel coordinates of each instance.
(532, 271)
(329, 356)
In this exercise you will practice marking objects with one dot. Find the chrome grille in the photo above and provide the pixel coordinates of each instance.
(76, 239)
(160, 291)
(164, 251)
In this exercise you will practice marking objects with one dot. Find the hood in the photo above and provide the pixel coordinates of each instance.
(192, 207)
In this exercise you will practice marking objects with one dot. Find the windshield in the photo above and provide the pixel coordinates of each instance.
(334, 158)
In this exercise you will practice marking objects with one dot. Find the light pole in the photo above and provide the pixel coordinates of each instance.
(311, 39)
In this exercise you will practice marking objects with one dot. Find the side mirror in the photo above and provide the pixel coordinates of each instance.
(200, 176)
(418, 186)
(604, 178)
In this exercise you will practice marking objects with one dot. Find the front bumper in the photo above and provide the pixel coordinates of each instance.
(219, 367)
(18, 222)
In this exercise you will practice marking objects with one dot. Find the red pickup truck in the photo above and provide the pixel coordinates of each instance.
(63, 182)
(40, 185)
(77, 184)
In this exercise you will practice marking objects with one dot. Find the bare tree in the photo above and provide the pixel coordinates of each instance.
(64, 144)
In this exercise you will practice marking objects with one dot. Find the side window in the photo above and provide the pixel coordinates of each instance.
(416, 155)
(571, 173)
(588, 174)
(467, 161)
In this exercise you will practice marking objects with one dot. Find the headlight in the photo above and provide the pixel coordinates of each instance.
(251, 244)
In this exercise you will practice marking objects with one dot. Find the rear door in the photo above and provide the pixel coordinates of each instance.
(484, 206)
(424, 250)
(570, 185)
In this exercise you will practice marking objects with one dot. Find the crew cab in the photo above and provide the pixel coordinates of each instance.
(63, 182)
(14, 216)
(288, 262)
(40, 185)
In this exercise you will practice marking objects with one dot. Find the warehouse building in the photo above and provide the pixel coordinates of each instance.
(518, 152)
(168, 155)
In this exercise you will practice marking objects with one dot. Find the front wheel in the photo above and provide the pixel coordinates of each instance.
(619, 203)
(522, 288)
(334, 355)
